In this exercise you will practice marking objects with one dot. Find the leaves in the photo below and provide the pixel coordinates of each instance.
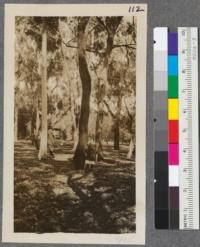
(62, 62)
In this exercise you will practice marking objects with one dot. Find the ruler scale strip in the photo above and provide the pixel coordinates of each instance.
(188, 129)
(176, 128)
(173, 122)
(161, 127)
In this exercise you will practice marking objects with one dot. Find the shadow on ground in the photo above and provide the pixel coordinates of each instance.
(46, 200)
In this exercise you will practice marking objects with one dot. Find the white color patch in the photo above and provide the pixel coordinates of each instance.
(173, 175)
(161, 38)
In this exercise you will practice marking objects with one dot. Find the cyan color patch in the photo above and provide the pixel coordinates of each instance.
(173, 65)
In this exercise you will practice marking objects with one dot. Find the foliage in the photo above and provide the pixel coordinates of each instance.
(62, 64)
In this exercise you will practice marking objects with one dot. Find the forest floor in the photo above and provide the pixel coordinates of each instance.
(45, 200)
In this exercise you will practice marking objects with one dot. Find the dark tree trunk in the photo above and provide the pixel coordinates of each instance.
(118, 114)
(116, 135)
(79, 156)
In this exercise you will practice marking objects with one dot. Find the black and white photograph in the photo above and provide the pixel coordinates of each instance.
(74, 136)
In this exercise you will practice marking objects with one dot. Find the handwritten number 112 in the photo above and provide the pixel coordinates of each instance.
(133, 9)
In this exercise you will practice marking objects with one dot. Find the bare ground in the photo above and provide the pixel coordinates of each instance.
(45, 200)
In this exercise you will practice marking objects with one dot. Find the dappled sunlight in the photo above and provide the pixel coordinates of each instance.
(75, 124)
(55, 199)
(63, 157)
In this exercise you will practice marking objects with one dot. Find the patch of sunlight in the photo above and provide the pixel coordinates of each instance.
(36, 169)
(63, 157)
(26, 183)
(102, 189)
(106, 196)
(60, 190)
(45, 166)
(88, 180)
(60, 179)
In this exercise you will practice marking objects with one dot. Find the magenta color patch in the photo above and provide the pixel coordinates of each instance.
(173, 156)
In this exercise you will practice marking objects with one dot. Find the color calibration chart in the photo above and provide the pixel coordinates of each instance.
(176, 128)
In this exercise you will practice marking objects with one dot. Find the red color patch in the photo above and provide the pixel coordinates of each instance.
(173, 131)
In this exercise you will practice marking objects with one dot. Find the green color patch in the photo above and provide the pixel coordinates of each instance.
(173, 87)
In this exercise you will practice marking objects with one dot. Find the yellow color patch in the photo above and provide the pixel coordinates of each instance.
(173, 109)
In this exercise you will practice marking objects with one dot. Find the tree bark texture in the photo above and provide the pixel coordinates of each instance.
(79, 156)
(43, 136)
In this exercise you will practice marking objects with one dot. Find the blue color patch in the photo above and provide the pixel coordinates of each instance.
(173, 65)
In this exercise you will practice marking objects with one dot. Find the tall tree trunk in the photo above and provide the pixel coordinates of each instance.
(37, 121)
(132, 131)
(100, 98)
(33, 118)
(43, 137)
(116, 135)
(132, 141)
(117, 125)
(112, 24)
(79, 156)
(76, 125)
(67, 80)
(99, 120)
(73, 118)
(131, 148)
(16, 122)
(118, 113)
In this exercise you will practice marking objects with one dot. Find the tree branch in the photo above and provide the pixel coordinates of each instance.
(54, 86)
(109, 109)
(129, 114)
(102, 24)
(130, 46)
(70, 46)
(62, 115)
(88, 49)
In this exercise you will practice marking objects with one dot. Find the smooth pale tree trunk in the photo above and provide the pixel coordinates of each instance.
(43, 137)
(33, 118)
(76, 118)
(37, 124)
(79, 156)
(132, 141)
(16, 122)
(75, 139)
(75, 124)
(131, 148)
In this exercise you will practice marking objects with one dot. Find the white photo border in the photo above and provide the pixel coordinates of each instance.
(12, 10)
